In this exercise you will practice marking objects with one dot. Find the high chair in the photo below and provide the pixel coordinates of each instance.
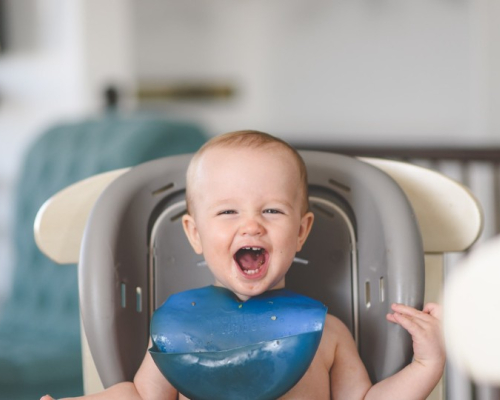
(381, 228)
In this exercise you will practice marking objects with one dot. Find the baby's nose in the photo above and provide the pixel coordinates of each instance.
(252, 226)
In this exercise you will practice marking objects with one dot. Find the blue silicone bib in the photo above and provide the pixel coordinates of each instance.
(210, 345)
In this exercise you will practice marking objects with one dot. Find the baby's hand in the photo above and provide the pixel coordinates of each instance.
(46, 397)
(425, 329)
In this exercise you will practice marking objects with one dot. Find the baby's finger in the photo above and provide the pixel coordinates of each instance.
(411, 312)
(402, 320)
(433, 309)
(412, 325)
(390, 318)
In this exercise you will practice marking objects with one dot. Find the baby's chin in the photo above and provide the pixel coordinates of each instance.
(246, 291)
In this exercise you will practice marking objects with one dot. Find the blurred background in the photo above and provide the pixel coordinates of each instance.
(381, 74)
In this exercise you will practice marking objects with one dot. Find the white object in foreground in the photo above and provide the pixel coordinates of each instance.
(472, 314)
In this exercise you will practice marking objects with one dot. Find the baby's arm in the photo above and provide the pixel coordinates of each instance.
(416, 380)
(348, 376)
(148, 383)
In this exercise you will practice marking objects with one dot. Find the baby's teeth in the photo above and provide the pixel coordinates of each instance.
(251, 271)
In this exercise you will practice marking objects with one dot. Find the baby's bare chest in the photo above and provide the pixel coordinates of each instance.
(315, 384)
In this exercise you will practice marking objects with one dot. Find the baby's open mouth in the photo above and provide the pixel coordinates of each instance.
(250, 259)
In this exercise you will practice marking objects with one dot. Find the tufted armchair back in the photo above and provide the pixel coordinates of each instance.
(39, 325)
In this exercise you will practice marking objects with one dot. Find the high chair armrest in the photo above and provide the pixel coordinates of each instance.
(449, 216)
(60, 222)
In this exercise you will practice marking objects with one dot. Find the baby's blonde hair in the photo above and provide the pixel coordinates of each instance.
(247, 139)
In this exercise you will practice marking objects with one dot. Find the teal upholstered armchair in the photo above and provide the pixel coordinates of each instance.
(39, 325)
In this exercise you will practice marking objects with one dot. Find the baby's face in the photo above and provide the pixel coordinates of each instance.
(246, 217)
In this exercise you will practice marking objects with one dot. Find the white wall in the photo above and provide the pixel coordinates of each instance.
(382, 71)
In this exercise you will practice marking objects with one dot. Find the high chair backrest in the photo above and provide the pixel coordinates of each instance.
(364, 253)
(135, 255)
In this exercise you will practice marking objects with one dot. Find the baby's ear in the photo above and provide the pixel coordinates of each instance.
(306, 224)
(191, 231)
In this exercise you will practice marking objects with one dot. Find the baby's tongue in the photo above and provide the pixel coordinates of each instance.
(249, 259)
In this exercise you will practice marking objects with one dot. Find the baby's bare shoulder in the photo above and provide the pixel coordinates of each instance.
(335, 334)
(336, 329)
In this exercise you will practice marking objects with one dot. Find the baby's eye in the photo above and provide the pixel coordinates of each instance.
(272, 211)
(226, 212)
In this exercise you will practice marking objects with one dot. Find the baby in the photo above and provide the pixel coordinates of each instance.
(249, 189)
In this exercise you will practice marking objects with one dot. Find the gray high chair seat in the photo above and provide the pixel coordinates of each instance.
(365, 251)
